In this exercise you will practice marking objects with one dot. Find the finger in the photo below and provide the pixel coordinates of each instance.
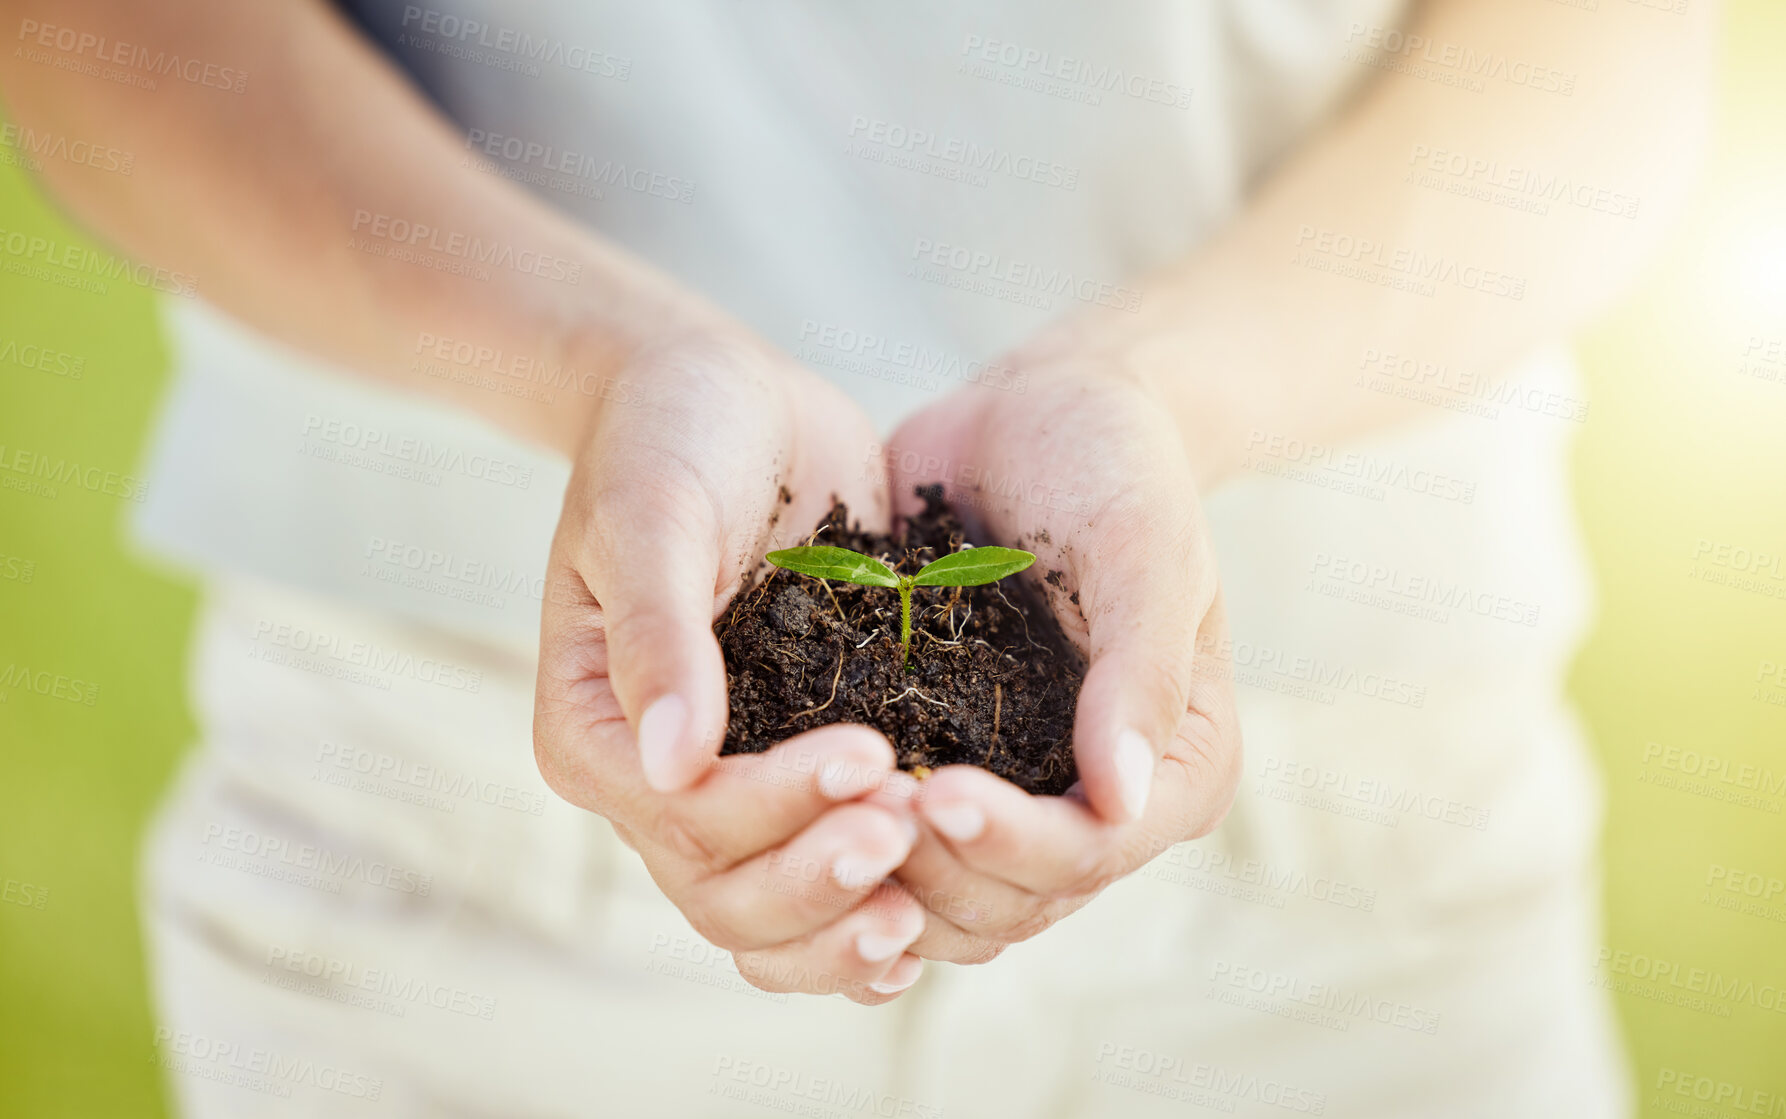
(947, 942)
(1208, 746)
(855, 956)
(998, 863)
(964, 910)
(1145, 585)
(748, 803)
(993, 842)
(745, 804)
(985, 836)
(650, 555)
(809, 882)
(664, 664)
(1144, 571)
(662, 485)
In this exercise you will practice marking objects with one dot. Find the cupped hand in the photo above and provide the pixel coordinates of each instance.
(1083, 468)
(722, 451)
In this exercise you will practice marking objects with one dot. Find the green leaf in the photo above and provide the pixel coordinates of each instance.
(826, 562)
(972, 566)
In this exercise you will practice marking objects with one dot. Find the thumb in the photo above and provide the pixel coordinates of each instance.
(653, 567)
(1145, 589)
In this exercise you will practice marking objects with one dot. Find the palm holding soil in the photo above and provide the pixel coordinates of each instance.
(631, 704)
(670, 508)
(1085, 470)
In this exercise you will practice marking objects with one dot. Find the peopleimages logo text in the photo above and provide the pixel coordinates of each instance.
(289, 640)
(29, 248)
(565, 161)
(1464, 61)
(103, 48)
(1022, 274)
(517, 45)
(983, 159)
(416, 450)
(1072, 71)
(35, 465)
(464, 246)
(1414, 264)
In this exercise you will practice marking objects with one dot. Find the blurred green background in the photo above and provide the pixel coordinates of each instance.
(1685, 451)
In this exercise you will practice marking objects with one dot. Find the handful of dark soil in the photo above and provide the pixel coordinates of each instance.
(993, 681)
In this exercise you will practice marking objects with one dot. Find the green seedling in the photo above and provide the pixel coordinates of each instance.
(970, 567)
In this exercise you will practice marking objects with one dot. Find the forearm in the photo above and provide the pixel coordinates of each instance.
(1262, 331)
(296, 204)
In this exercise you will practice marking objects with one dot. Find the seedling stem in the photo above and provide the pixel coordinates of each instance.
(970, 567)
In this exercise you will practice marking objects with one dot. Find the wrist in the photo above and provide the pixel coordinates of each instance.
(1189, 378)
(541, 357)
(1209, 391)
(586, 361)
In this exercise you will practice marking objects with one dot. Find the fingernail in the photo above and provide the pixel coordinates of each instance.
(878, 948)
(957, 819)
(899, 786)
(910, 827)
(903, 975)
(1134, 771)
(844, 779)
(659, 728)
(840, 780)
(855, 870)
